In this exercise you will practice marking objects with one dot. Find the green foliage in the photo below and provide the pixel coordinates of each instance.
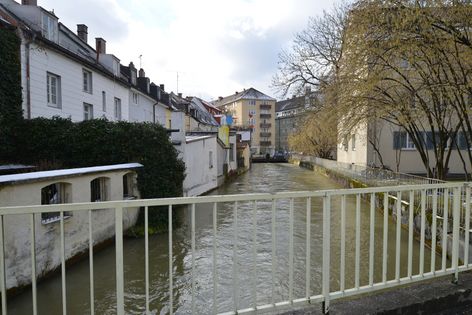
(59, 142)
(10, 88)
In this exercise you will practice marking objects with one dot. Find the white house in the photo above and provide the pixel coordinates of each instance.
(62, 75)
(89, 184)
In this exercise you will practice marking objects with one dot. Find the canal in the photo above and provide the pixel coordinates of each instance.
(261, 178)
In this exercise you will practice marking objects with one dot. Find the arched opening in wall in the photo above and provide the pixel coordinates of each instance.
(57, 193)
(130, 186)
(100, 189)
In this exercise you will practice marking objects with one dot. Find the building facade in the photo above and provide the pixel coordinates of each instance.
(289, 115)
(62, 75)
(256, 110)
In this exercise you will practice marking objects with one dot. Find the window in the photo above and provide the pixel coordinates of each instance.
(210, 159)
(49, 27)
(345, 143)
(402, 140)
(104, 101)
(87, 81)
(53, 194)
(129, 186)
(135, 98)
(117, 108)
(252, 102)
(353, 142)
(99, 189)
(88, 111)
(54, 90)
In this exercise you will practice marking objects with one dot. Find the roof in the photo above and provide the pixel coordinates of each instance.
(298, 102)
(64, 173)
(194, 138)
(249, 94)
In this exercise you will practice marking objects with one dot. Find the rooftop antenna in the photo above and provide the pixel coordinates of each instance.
(140, 61)
(177, 82)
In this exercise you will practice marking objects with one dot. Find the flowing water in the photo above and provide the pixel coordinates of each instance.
(253, 282)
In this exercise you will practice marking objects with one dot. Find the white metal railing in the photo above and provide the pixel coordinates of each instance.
(346, 201)
(368, 175)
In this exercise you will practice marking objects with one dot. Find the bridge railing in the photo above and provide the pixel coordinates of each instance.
(334, 265)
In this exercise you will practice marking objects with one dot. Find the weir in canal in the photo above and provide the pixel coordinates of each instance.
(234, 263)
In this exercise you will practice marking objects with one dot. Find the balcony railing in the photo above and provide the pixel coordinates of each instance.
(265, 134)
(266, 106)
(265, 143)
(265, 125)
(340, 207)
(265, 115)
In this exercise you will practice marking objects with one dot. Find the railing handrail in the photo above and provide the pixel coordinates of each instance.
(221, 198)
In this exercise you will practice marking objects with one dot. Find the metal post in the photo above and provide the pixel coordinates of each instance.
(120, 291)
(326, 251)
(455, 233)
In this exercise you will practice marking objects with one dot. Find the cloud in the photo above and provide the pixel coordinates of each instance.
(216, 47)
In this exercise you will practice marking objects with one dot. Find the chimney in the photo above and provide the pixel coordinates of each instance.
(220, 98)
(180, 95)
(142, 74)
(100, 45)
(29, 2)
(82, 31)
(307, 90)
(293, 96)
(162, 87)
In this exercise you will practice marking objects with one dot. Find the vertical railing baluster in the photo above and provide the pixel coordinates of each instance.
(467, 225)
(422, 230)
(146, 256)
(91, 275)
(274, 248)
(235, 258)
(192, 223)
(290, 258)
(358, 240)
(171, 264)
(433, 230)
(63, 265)
(445, 228)
(326, 251)
(254, 252)
(308, 248)
(343, 244)
(385, 238)
(410, 232)
(215, 305)
(397, 249)
(120, 289)
(3, 275)
(455, 231)
(33, 264)
(371, 240)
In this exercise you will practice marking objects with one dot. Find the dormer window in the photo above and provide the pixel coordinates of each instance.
(133, 77)
(49, 27)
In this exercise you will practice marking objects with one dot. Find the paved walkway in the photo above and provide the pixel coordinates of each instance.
(439, 296)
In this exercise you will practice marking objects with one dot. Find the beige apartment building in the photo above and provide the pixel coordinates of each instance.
(255, 110)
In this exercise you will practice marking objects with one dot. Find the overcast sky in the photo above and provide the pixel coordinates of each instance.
(217, 47)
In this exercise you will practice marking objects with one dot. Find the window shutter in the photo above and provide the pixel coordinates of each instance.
(396, 140)
(429, 140)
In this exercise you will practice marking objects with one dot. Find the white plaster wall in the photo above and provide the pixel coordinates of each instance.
(17, 229)
(43, 60)
(359, 155)
(200, 176)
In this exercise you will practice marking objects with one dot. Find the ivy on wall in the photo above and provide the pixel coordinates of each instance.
(10, 89)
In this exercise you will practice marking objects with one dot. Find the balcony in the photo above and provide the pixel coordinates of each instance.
(265, 115)
(266, 106)
(265, 125)
(265, 143)
(265, 134)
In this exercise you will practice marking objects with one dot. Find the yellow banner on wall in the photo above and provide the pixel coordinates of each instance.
(223, 134)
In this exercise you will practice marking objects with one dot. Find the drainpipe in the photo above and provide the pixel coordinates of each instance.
(154, 112)
(28, 94)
